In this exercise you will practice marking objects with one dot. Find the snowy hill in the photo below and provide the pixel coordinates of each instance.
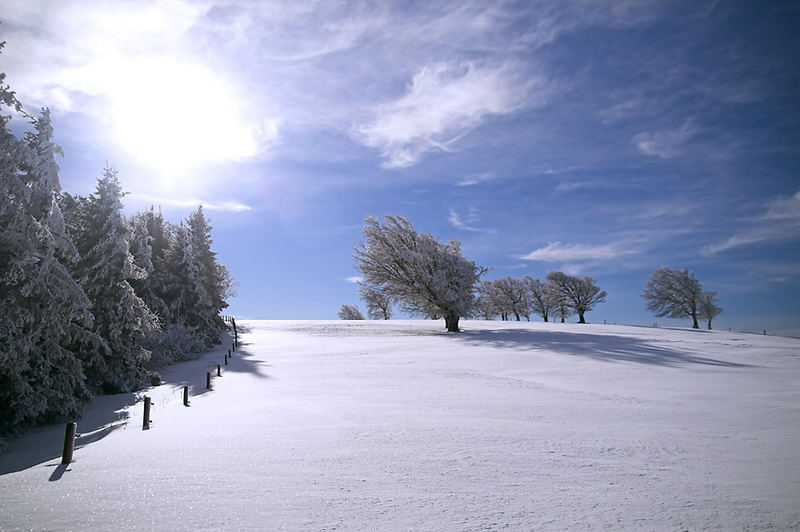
(400, 426)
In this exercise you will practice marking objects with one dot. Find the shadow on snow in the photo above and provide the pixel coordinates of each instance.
(608, 348)
(107, 413)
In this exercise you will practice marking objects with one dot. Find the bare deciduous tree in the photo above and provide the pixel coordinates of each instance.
(350, 312)
(673, 293)
(542, 297)
(514, 296)
(580, 294)
(707, 308)
(379, 304)
(417, 269)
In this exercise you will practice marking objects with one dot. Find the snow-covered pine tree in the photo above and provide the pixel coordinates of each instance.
(122, 319)
(44, 308)
(150, 286)
(184, 290)
(211, 292)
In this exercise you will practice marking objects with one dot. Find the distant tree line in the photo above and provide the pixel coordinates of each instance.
(92, 301)
(558, 296)
(431, 279)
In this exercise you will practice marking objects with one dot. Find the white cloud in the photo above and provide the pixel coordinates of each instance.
(784, 208)
(456, 221)
(476, 179)
(666, 143)
(557, 252)
(354, 279)
(443, 102)
(231, 206)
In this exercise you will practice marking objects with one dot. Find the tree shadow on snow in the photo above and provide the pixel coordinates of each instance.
(608, 348)
(105, 414)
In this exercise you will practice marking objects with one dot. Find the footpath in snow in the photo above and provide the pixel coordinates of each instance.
(400, 426)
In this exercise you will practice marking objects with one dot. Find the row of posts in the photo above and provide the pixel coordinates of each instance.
(69, 435)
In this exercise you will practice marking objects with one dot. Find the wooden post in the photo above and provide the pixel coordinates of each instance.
(146, 420)
(208, 381)
(69, 443)
(218, 373)
(185, 396)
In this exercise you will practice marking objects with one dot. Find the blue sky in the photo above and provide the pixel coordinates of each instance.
(598, 138)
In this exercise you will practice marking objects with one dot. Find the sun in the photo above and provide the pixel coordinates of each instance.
(173, 116)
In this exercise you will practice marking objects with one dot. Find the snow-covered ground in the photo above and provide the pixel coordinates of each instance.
(399, 426)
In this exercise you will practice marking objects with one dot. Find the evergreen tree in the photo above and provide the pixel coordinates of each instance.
(44, 308)
(210, 290)
(121, 317)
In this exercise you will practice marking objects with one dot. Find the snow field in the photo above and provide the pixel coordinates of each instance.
(399, 426)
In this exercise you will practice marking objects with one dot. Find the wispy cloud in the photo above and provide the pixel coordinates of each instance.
(476, 179)
(465, 225)
(443, 102)
(558, 252)
(354, 279)
(780, 221)
(666, 143)
(231, 206)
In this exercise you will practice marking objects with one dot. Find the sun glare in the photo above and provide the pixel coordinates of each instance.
(173, 116)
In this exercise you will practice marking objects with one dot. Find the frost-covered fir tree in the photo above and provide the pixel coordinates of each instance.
(149, 256)
(198, 282)
(122, 319)
(43, 308)
(197, 288)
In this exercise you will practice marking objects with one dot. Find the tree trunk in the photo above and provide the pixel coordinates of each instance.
(581, 320)
(545, 318)
(709, 325)
(695, 325)
(451, 322)
(516, 316)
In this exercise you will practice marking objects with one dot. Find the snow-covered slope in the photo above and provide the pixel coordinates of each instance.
(399, 426)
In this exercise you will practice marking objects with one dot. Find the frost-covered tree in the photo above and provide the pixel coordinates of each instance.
(562, 310)
(707, 307)
(673, 293)
(196, 285)
(211, 277)
(122, 319)
(579, 294)
(542, 297)
(350, 312)
(43, 308)
(417, 269)
(149, 244)
(379, 304)
(513, 295)
(489, 303)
